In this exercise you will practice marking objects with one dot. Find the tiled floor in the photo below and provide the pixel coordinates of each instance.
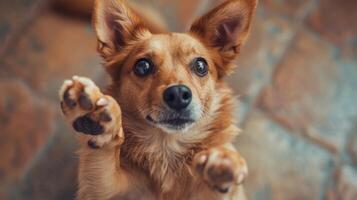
(297, 80)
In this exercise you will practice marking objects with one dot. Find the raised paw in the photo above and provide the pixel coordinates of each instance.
(221, 168)
(90, 112)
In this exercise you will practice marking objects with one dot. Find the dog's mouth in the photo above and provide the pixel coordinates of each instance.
(172, 123)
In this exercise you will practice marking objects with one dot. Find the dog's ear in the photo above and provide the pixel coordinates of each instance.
(116, 25)
(225, 29)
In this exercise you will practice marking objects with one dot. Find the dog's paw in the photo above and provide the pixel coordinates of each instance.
(90, 112)
(221, 168)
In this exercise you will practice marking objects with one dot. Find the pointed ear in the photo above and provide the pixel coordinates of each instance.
(225, 28)
(115, 24)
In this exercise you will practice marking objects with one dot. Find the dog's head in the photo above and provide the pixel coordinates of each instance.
(169, 79)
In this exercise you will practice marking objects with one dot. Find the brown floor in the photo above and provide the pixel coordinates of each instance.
(297, 82)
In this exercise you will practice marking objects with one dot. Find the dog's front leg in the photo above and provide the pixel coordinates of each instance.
(97, 117)
(223, 169)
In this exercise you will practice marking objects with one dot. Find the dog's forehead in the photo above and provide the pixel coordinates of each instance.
(174, 41)
(156, 43)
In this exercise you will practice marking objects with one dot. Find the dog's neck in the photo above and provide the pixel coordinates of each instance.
(158, 153)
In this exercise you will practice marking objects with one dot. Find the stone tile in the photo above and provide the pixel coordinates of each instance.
(53, 49)
(169, 10)
(266, 45)
(26, 122)
(78, 8)
(12, 16)
(281, 165)
(179, 14)
(286, 8)
(345, 184)
(54, 174)
(312, 92)
(335, 20)
(187, 11)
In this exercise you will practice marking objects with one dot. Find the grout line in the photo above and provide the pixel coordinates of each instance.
(351, 157)
(344, 158)
(327, 182)
(299, 135)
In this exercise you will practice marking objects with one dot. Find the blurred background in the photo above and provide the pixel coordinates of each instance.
(296, 81)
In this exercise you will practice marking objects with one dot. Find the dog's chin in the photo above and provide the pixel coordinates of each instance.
(172, 125)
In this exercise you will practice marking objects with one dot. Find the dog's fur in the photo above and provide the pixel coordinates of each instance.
(122, 154)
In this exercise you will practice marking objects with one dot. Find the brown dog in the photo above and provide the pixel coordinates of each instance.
(171, 136)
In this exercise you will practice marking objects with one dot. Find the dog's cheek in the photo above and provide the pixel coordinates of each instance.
(210, 101)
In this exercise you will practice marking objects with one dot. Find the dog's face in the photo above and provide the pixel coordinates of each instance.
(169, 79)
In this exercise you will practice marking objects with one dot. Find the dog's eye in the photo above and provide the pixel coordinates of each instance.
(143, 67)
(200, 66)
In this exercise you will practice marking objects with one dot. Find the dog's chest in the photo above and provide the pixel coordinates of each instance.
(164, 166)
(156, 186)
(180, 188)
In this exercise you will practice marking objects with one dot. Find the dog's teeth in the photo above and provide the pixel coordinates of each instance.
(102, 102)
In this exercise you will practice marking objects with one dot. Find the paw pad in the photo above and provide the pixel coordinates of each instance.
(85, 102)
(87, 125)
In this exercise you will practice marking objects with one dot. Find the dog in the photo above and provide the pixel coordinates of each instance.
(164, 127)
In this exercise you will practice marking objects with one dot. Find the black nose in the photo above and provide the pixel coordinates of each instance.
(178, 97)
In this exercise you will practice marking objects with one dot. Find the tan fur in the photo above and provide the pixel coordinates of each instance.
(133, 159)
